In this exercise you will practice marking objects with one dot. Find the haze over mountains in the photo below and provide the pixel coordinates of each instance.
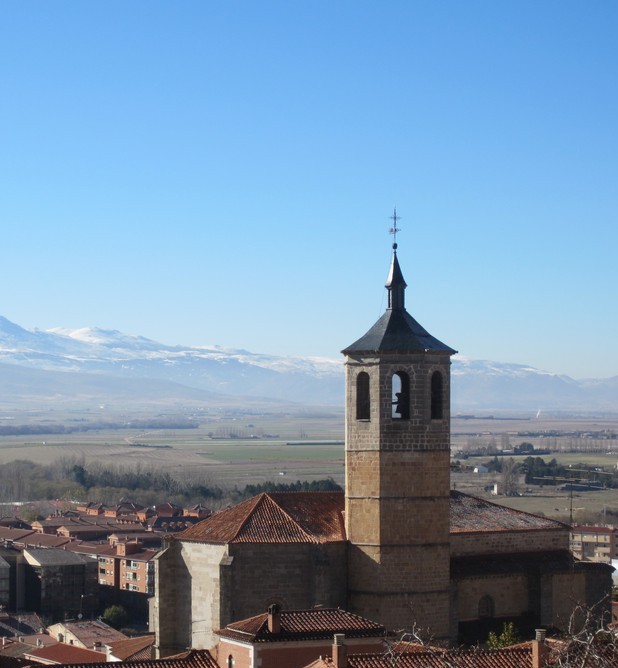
(91, 365)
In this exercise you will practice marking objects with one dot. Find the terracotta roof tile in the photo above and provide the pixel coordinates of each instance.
(300, 517)
(469, 513)
(66, 654)
(477, 658)
(314, 624)
(584, 528)
(10, 534)
(16, 662)
(195, 658)
(137, 648)
(18, 648)
(284, 517)
(88, 632)
(43, 540)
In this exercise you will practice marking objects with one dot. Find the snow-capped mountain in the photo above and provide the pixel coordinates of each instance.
(97, 363)
(486, 385)
(209, 368)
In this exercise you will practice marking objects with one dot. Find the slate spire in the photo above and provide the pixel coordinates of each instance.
(397, 330)
(395, 284)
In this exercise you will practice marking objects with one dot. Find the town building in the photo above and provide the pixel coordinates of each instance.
(398, 547)
(293, 638)
(59, 583)
(131, 649)
(87, 634)
(127, 566)
(62, 654)
(595, 543)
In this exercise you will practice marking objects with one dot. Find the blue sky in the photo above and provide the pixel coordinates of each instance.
(224, 172)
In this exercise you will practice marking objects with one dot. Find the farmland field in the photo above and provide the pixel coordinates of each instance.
(240, 450)
(228, 451)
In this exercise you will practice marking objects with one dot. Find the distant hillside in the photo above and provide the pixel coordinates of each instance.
(91, 365)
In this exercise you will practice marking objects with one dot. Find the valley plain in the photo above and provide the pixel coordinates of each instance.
(232, 451)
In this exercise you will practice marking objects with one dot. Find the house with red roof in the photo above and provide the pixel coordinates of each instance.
(138, 648)
(187, 659)
(65, 655)
(88, 634)
(293, 638)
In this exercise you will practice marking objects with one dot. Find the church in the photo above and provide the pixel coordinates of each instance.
(398, 547)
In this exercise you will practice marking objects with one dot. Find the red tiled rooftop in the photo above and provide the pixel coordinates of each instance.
(301, 517)
(591, 529)
(283, 517)
(477, 658)
(66, 654)
(469, 513)
(314, 624)
(88, 632)
(43, 540)
(195, 658)
(13, 535)
(136, 648)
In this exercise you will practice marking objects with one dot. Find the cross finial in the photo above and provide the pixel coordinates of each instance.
(394, 229)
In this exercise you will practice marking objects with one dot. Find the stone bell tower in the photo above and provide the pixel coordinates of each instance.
(397, 470)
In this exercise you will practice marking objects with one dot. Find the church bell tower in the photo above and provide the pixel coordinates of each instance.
(397, 470)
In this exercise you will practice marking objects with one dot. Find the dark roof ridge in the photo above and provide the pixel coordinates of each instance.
(258, 500)
(562, 525)
(309, 623)
(311, 539)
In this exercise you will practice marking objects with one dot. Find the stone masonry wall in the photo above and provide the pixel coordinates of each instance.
(509, 593)
(295, 575)
(186, 607)
(290, 654)
(397, 496)
(501, 542)
(171, 609)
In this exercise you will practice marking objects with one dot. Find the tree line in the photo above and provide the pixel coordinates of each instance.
(74, 480)
(44, 428)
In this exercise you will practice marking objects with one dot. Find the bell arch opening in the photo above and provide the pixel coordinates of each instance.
(400, 396)
(363, 398)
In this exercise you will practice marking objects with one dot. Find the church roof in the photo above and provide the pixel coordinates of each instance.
(275, 517)
(397, 330)
(318, 517)
(469, 513)
(314, 624)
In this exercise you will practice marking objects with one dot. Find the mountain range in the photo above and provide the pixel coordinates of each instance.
(88, 366)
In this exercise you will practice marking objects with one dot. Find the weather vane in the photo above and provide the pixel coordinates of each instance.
(394, 229)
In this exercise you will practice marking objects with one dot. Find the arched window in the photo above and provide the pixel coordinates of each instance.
(362, 396)
(400, 396)
(486, 607)
(230, 661)
(437, 394)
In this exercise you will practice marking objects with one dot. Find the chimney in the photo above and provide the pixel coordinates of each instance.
(274, 618)
(39, 642)
(540, 650)
(340, 651)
